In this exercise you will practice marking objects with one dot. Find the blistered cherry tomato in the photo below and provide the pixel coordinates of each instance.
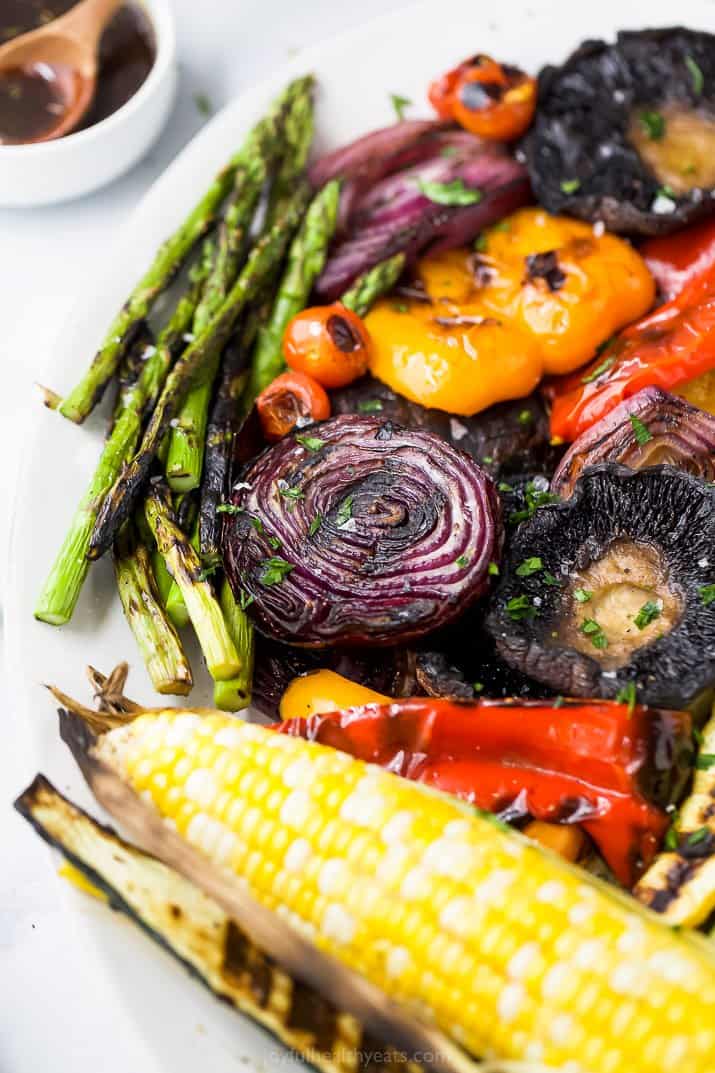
(330, 343)
(291, 401)
(494, 100)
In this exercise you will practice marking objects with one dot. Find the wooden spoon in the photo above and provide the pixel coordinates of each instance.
(65, 52)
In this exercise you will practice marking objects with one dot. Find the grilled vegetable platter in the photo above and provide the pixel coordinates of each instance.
(411, 450)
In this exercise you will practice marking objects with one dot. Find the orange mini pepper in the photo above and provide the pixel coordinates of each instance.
(538, 295)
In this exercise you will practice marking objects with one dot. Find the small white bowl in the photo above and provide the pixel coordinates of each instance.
(57, 171)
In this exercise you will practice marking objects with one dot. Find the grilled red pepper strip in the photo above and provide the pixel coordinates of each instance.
(597, 763)
(675, 259)
(668, 347)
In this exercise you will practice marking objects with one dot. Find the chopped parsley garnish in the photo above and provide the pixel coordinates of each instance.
(529, 567)
(525, 417)
(275, 570)
(461, 560)
(504, 487)
(705, 761)
(594, 632)
(698, 836)
(480, 242)
(649, 612)
(695, 73)
(520, 607)
(640, 431)
(666, 191)
(494, 569)
(228, 508)
(292, 493)
(628, 696)
(315, 525)
(558, 702)
(600, 369)
(487, 460)
(203, 104)
(454, 193)
(369, 406)
(449, 150)
(345, 512)
(707, 594)
(582, 595)
(257, 524)
(399, 104)
(273, 541)
(245, 600)
(549, 579)
(311, 443)
(206, 572)
(478, 686)
(570, 186)
(653, 124)
(400, 307)
(534, 498)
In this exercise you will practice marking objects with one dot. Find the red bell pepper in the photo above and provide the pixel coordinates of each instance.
(676, 259)
(673, 344)
(596, 763)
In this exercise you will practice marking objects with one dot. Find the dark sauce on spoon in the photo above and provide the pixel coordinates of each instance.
(32, 99)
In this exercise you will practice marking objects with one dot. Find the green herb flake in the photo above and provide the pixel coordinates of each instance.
(311, 443)
(557, 702)
(529, 567)
(705, 761)
(534, 499)
(228, 508)
(525, 417)
(399, 103)
(666, 191)
(520, 607)
(640, 431)
(707, 594)
(478, 687)
(315, 525)
(600, 369)
(671, 835)
(582, 595)
(627, 695)
(292, 493)
(245, 600)
(345, 512)
(275, 570)
(487, 460)
(504, 487)
(449, 150)
(696, 74)
(461, 560)
(698, 836)
(594, 632)
(400, 307)
(653, 124)
(549, 579)
(206, 572)
(480, 242)
(203, 104)
(369, 406)
(494, 570)
(570, 186)
(648, 613)
(274, 542)
(257, 524)
(454, 193)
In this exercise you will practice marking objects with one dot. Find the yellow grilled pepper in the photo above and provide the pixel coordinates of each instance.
(538, 297)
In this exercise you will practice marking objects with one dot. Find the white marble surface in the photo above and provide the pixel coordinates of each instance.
(53, 1013)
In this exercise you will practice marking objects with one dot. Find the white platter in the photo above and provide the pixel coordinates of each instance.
(160, 1013)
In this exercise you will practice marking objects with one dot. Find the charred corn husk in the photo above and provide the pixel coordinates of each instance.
(680, 883)
(506, 948)
(183, 920)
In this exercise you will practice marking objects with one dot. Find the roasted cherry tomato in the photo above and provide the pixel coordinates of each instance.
(329, 343)
(291, 401)
(494, 100)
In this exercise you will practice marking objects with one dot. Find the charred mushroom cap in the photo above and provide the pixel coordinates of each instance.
(369, 534)
(613, 590)
(611, 123)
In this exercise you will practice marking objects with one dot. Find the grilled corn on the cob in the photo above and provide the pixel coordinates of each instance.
(680, 883)
(508, 949)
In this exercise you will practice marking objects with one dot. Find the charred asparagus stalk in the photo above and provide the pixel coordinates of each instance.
(234, 694)
(176, 608)
(373, 284)
(184, 565)
(156, 638)
(170, 256)
(123, 496)
(61, 591)
(305, 262)
(299, 126)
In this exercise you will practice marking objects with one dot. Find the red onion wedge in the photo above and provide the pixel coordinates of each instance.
(645, 430)
(396, 214)
(363, 533)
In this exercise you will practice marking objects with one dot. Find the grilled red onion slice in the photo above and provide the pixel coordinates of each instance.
(649, 428)
(395, 215)
(364, 533)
